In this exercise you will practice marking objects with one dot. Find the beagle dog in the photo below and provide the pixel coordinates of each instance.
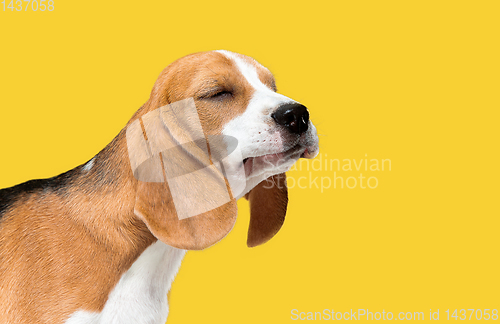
(99, 245)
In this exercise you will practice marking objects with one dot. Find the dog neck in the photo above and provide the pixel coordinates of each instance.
(141, 293)
(148, 279)
(105, 197)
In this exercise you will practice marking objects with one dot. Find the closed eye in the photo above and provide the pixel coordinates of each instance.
(221, 95)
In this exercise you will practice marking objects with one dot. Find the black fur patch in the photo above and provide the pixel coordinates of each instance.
(9, 195)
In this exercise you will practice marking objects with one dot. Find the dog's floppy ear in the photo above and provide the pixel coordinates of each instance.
(268, 204)
(155, 206)
(182, 193)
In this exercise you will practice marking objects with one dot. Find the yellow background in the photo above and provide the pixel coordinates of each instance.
(414, 82)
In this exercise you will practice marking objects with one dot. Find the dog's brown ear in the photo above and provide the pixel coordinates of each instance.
(182, 193)
(155, 206)
(268, 204)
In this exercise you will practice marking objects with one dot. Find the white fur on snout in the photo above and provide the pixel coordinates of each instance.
(253, 128)
(256, 131)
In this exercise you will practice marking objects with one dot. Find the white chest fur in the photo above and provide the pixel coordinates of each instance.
(140, 297)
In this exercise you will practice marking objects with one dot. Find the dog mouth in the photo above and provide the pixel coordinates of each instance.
(255, 164)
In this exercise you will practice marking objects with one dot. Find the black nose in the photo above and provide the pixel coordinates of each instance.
(293, 116)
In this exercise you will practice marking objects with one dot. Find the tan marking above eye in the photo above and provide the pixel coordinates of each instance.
(273, 85)
(267, 79)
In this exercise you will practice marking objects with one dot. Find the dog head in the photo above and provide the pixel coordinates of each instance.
(217, 95)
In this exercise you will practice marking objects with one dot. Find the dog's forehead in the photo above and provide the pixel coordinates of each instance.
(248, 66)
(198, 69)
